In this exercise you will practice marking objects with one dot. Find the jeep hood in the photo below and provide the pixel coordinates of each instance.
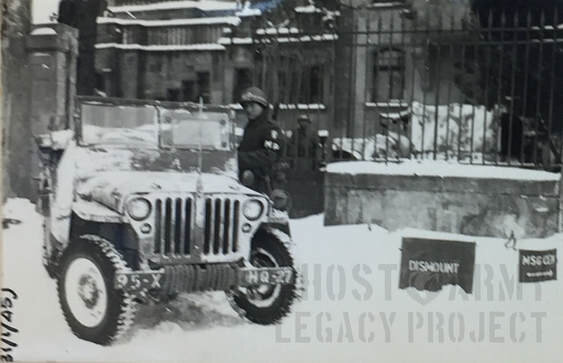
(111, 188)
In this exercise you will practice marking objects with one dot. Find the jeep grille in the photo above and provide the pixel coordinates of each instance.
(221, 226)
(173, 226)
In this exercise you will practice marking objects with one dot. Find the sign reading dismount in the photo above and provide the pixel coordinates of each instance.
(538, 266)
(429, 264)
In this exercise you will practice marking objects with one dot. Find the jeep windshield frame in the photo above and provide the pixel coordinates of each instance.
(153, 124)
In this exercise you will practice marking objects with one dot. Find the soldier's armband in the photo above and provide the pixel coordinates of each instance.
(271, 145)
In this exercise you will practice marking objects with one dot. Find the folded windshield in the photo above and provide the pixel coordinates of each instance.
(154, 126)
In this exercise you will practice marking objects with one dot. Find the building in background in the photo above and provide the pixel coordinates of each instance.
(82, 15)
(187, 50)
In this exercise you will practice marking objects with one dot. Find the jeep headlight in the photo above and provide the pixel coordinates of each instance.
(138, 208)
(252, 209)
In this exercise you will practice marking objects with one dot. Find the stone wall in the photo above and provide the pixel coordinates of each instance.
(16, 128)
(473, 206)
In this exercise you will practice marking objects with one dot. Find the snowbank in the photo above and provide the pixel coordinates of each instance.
(455, 126)
(441, 169)
(43, 31)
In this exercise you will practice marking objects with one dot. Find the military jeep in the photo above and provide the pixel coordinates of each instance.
(142, 202)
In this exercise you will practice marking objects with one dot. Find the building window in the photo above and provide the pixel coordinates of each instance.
(128, 35)
(387, 75)
(312, 84)
(300, 83)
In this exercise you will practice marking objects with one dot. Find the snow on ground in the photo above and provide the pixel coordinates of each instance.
(348, 301)
(440, 168)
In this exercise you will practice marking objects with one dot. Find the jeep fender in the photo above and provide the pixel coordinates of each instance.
(276, 226)
(107, 224)
(96, 212)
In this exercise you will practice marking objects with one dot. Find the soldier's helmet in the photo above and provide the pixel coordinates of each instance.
(303, 118)
(254, 94)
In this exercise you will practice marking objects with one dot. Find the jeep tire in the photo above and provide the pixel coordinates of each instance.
(266, 304)
(94, 310)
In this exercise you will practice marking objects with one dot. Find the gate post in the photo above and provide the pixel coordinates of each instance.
(15, 21)
(52, 54)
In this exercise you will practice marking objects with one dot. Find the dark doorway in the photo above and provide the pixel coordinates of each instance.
(203, 86)
(188, 91)
(173, 94)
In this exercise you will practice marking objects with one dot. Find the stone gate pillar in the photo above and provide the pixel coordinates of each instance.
(15, 19)
(52, 53)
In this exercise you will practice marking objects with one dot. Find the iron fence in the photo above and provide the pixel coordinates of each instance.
(389, 85)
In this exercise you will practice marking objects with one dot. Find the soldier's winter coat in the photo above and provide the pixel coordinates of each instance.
(260, 146)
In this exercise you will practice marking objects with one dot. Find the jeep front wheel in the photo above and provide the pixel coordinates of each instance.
(94, 310)
(266, 304)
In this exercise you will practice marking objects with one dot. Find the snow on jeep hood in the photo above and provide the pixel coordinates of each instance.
(108, 174)
(112, 187)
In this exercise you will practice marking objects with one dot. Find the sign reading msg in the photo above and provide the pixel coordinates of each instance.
(428, 264)
(538, 266)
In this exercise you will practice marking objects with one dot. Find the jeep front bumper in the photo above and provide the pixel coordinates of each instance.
(190, 278)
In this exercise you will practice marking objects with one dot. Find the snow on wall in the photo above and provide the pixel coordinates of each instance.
(386, 4)
(249, 12)
(302, 106)
(160, 48)
(232, 20)
(278, 30)
(234, 40)
(441, 169)
(43, 31)
(202, 5)
(389, 103)
(309, 9)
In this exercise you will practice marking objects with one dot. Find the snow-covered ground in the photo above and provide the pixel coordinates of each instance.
(352, 310)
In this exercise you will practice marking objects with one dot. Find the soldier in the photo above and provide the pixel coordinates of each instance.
(261, 144)
(303, 140)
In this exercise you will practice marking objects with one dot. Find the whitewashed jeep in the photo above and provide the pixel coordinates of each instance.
(141, 202)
